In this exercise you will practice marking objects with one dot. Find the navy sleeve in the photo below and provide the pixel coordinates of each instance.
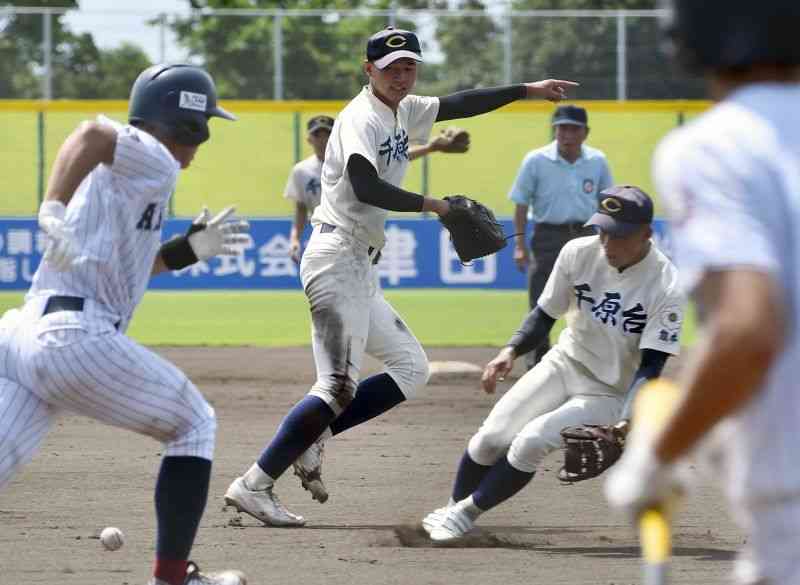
(533, 331)
(649, 368)
(372, 190)
(473, 102)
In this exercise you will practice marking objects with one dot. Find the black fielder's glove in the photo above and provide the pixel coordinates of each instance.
(589, 450)
(473, 228)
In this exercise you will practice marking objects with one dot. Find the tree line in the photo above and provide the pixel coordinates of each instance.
(322, 56)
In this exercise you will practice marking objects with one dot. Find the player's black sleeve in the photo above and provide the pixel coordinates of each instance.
(533, 331)
(372, 190)
(650, 367)
(472, 102)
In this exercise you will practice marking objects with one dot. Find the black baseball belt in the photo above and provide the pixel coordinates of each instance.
(58, 303)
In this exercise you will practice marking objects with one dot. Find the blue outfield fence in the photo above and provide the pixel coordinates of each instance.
(418, 254)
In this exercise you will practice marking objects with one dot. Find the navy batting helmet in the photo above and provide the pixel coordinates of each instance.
(733, 34)
(179, 98)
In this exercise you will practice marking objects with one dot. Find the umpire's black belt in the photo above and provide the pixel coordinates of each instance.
(327, 228)
(61, 303)
(572, 228)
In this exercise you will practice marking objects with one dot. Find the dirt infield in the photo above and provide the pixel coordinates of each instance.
(383, 477)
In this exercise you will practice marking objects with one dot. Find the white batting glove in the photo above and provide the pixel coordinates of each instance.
(62, 248)
(639, 480)
(203, 218)
(221, 236)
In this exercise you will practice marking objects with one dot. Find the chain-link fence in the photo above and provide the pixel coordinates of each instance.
(317, 54)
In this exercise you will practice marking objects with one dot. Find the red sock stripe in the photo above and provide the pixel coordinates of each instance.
(172, 571)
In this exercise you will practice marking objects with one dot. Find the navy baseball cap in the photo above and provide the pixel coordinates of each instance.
(570, 115)
(622, 210)
(391, 44)
(319, 123)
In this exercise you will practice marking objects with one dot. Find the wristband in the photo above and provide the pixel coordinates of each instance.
(177, 253)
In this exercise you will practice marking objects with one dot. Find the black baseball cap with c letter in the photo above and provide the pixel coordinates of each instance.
(391, 44)
(621, 210)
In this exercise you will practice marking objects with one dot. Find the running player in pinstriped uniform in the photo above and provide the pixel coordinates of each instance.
(366, 160)
(66, 349)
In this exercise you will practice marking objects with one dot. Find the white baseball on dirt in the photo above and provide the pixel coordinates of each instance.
(112, 538)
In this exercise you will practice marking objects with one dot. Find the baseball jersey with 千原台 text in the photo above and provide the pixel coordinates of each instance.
(116, 215)
(557, 191)
(304, 184)
(731, 183)
(368, 127)
(616, 314)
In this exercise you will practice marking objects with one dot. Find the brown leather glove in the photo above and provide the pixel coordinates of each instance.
(589, 450)
(451, 139)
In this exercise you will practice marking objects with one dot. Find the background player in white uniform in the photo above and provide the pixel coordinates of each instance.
(66, 350)
(304, 185)
(626, 322)
(365, 162)
(731, 182)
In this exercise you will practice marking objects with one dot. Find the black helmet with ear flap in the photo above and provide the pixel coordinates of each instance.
(179, 98)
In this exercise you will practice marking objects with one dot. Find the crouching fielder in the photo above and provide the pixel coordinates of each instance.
(625, 323)
(66, 349)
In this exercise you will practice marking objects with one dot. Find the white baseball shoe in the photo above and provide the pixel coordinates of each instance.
(435, 518)
(308, 468)
(455, 524)
(195, 577)
(262, 505)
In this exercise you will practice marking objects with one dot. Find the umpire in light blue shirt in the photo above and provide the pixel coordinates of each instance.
(557, 186)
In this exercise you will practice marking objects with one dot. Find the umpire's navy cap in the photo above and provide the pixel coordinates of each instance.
(570, 114)
(319, 123)
(621, 210)
(391, 44)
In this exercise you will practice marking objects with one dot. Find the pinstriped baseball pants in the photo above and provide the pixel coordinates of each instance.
(47, 368)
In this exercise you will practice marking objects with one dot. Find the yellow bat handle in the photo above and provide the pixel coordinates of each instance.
(655, 535)
(652, 408)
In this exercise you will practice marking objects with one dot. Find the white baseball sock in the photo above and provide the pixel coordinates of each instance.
(256, 480)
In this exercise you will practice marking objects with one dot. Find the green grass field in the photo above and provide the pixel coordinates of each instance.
(272, 319)
(247, 162)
